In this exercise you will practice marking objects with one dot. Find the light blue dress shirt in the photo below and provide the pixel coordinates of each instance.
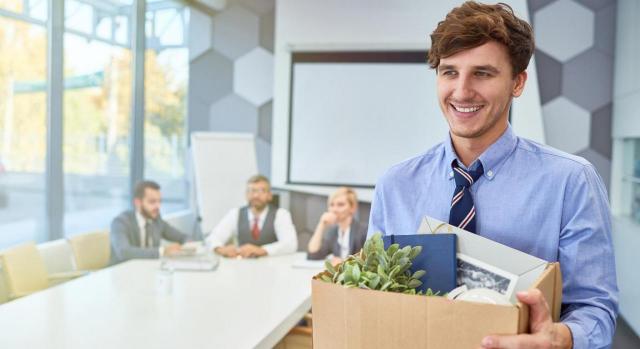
(531, 197)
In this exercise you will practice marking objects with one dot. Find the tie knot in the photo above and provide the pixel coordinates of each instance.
(466, 178)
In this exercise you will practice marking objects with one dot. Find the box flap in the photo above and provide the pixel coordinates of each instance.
(550, 284)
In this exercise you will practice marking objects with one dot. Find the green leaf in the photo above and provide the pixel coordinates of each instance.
(386, 286)
(394, 271)
(415, 251)
(363, 285)
(418, 274)
(375, 281)
(356, 273)
(392, 249)
(413, 283)
(325, 278)
(329, 267)
(381, 271)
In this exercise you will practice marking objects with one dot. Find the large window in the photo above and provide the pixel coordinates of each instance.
(22, 122)
(166, 81)
(97, 114)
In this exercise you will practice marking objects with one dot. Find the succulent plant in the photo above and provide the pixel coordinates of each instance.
(375, 268)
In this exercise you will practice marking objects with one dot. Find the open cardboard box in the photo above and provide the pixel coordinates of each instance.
(357, 318)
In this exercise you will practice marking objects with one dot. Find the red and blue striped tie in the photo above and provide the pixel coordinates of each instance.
(463, 212)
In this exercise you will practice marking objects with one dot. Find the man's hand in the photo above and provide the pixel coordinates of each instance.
(250, 250)
(230, 251)
(171, 249)
(544, 332)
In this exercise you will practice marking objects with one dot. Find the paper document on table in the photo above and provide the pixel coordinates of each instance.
(205, 262)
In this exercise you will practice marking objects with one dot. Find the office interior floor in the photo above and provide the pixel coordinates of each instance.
(625, 337)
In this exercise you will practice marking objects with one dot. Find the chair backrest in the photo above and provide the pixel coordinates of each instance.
(57, 256)
(24, 270)
(92, 251)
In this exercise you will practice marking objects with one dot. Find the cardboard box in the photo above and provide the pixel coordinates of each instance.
(356, 318)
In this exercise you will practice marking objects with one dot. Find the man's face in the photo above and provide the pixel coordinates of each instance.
(149, 205)
(341, 207)
(475, 88)
(258, 195)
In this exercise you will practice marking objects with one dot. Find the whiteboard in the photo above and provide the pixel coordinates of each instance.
(222, 164)
(352, 121)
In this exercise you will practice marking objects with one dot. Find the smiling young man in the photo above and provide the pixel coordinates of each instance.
(485, 179)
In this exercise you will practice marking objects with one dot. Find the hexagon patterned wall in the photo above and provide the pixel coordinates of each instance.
(231, 76)
(231, 72)
(574, 56)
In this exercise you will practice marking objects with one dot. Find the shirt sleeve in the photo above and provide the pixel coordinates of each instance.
(286, 234)
(225, 230)
(590, 291)
(376, 217)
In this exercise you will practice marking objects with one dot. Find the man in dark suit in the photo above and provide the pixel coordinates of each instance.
(338, 233)
(137, 233)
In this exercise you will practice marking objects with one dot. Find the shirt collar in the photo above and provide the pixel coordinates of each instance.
(491, 158)
(262, 215)
(140, 219)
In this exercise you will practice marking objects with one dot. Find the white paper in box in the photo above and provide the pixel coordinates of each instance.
(525, 267)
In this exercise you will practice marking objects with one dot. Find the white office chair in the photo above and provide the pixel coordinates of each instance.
(24, 271)
(57, 256)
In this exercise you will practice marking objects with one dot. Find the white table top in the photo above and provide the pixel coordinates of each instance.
(243, 304)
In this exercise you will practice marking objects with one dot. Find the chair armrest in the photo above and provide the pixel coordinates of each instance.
(57, 278)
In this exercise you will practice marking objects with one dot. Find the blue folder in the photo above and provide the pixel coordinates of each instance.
(438, 258)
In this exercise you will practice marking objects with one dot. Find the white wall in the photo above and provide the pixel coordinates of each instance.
(626, 94)
(304, 25)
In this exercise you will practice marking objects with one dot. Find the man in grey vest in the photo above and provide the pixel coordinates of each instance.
(137, 233)
(259, 228)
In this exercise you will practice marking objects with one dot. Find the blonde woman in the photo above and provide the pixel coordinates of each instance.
(338, 233)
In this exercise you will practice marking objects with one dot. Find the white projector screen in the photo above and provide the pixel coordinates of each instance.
(350, 121)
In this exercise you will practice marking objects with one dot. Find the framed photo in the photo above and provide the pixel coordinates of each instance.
(477, 274)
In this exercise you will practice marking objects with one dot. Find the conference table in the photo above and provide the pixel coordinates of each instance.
(244, 303)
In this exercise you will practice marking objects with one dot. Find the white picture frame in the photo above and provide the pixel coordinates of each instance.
(475, 273)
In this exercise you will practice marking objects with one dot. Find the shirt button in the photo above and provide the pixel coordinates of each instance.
(490, 173)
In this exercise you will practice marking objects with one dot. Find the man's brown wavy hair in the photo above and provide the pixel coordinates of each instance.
(474, 24)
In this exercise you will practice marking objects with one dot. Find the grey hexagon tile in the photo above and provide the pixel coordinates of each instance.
(601, 124)
(535, 5)
(596, 5)
(235, 31)
(264, 121)
(198, 115)
(199, 33)
(564, 29)
(602, 164)
(588, 79)
(211, 77)
(549, 76)
(253, 76)
(267, 30)
(605, 29)
(233, 114)
(259, 7)
(561, 115)
(263, 153)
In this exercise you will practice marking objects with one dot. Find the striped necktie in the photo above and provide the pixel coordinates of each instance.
(463, 212)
